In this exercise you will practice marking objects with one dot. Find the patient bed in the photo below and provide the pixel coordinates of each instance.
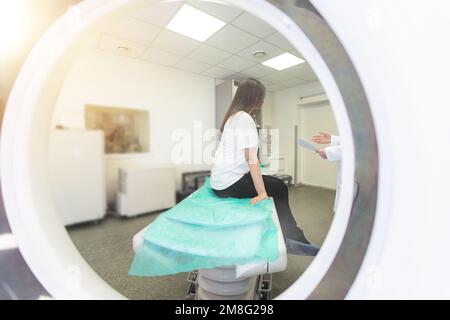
(247, 282)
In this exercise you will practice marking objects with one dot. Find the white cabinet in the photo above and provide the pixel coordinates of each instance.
(143, 190)
(77, 175)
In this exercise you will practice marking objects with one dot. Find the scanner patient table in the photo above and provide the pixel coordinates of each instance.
(236, 282)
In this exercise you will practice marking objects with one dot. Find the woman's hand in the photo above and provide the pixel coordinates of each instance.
(259, 198)
(251, 155)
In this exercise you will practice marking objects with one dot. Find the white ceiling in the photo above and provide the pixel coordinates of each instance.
(226, 54)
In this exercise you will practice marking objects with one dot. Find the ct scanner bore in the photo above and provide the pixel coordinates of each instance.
(43, 240)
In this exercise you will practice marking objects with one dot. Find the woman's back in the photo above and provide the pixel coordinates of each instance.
(229, 162)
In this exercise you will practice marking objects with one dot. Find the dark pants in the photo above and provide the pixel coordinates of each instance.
(244, 188)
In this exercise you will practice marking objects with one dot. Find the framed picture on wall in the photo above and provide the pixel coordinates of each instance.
(126, 130)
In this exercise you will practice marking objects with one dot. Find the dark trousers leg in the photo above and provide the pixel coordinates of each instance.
(279, 191)
(244, 188)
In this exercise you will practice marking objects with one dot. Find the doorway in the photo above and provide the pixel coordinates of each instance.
(311, 169)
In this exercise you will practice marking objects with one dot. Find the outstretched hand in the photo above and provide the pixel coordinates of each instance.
(259, 198)
(322, 138)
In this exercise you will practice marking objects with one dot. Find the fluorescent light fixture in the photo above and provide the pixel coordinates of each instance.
(194, 23)
(284, 61)
(7, 242)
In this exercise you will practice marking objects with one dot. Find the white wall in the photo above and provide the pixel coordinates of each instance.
(174, 99)
(266, 116)
(285, 115)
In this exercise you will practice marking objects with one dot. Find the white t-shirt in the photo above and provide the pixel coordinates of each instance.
(230, 164)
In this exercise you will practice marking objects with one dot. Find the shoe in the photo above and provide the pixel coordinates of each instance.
(300, 248)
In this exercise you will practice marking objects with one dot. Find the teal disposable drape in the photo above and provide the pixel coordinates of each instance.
(205, 231)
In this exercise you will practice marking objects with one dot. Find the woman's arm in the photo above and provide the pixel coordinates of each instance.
(251, 154)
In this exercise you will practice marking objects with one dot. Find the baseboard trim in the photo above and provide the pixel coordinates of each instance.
(312, 185)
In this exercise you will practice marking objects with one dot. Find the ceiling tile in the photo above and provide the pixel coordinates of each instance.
(135, 30)
(159, 13)
(278, 77)
(160, 57)
(278, 40)
(192, 66)
(271, 51)
(209, 55)
(236, 64)
(253, 25)
(223, 12)
(218, 73)
(111, 43)
(246, 75)
(266, 84)
(310, 77)
(238, 76)
(175, 43)
(299, 70)
(298, 54)
(259, 71)
(275, 87)
(293, 83)
(232, 39)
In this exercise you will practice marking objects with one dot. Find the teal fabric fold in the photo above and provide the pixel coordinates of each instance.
(205, 231)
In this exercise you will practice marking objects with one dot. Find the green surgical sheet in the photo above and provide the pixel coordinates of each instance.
(205, 231)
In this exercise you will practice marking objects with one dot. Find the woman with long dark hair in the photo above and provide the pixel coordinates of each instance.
(236, 172)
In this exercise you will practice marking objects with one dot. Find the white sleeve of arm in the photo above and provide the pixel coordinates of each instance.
(335, 140)
(333, 153)
(246, 132)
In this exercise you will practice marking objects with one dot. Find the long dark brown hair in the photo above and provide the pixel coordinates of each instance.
(249, 97)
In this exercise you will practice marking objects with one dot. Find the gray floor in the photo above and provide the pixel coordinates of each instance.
(107, 247)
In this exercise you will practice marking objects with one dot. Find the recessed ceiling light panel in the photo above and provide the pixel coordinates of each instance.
(284, 61)
(194, 23)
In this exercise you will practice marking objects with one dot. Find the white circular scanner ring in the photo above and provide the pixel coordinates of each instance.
(41, 236)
